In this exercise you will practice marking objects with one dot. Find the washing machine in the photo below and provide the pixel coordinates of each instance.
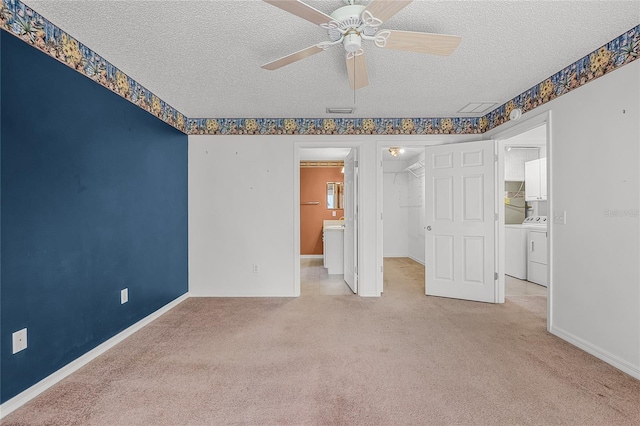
(537, 254)
(515, 238)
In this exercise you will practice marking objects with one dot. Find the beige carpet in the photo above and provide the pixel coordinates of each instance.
(329, 360)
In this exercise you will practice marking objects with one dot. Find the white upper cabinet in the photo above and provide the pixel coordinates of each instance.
(543, 178)
(535, 180)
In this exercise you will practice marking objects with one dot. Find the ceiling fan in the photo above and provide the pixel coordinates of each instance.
(353, 23)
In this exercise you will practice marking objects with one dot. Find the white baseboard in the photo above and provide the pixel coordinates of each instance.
(311, 256)
(44, 384)
(396, 255)
(415, 259)
(608, 357)
(215, 295)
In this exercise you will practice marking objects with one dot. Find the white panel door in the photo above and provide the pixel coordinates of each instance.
(460, 221)
(351, 221)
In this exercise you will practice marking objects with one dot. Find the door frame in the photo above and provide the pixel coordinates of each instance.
(543, 119)
(297, 146)
(351, 209)
(380, 146)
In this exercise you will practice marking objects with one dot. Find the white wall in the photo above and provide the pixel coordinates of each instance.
(403, 208)
(243, 210)
(241, 213)
(593, 167)
(417, 220)
(396, 217)
(416, 233)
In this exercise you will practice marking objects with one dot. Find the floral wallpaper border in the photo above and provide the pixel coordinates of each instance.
(23, 22)
(332, 126)
(618, 52)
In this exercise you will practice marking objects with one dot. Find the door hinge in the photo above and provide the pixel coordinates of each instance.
(495, 216)
(495, 276)
(356, 163)
(495, 158)
(381, 216)
(380, 268)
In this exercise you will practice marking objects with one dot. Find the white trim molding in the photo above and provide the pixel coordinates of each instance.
(606, 356)
(27, 395)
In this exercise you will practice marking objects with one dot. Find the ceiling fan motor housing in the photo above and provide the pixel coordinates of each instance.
(349, 18)
(349, 13)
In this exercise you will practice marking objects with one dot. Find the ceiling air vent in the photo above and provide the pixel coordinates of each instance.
(340, 110)
(477, 107)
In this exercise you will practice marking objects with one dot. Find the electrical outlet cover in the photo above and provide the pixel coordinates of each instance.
(19, 340)
(124, 295)
(560, 217)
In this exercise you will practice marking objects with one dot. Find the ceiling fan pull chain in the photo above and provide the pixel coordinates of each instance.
(354, 73)
(381, 38)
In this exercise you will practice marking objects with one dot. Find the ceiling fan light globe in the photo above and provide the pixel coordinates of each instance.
(352, 42)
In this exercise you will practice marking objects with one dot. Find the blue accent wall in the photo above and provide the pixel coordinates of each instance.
(94, 199)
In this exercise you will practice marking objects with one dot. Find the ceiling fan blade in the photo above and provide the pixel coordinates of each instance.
(289, 59)
(357, 72)
(302, 10)
(434, 44)
(385, 9)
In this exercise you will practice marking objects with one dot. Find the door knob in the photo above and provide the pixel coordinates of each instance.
(429, 228)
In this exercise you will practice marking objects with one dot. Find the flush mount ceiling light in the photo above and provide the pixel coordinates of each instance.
(395, 150)
(515, 114)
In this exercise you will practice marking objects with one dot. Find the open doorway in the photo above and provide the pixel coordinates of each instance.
(327, 221)
(523, 226)
(403, 236)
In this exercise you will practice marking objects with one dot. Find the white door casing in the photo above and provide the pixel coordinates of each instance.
(351, 220)
(460, 221)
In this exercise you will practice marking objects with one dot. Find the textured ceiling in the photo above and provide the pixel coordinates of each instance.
(204, 57)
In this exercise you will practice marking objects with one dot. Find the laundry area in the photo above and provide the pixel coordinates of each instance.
(525, 207)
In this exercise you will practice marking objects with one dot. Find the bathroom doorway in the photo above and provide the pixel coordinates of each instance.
(327, 225)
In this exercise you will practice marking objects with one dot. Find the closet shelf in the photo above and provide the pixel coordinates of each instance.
(416, 169)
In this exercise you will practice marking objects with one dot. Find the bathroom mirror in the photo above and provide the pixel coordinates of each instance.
(335, 195)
